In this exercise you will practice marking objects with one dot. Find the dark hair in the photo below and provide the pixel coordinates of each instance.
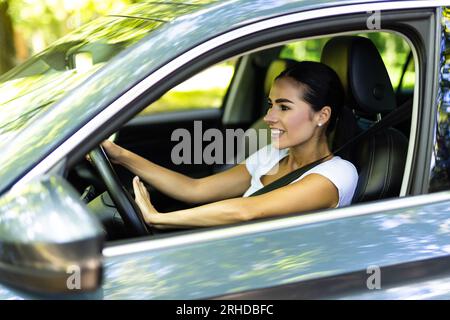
(321, 85)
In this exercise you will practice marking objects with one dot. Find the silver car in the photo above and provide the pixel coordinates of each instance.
(69, 229)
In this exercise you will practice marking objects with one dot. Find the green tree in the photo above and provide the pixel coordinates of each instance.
(7, 49)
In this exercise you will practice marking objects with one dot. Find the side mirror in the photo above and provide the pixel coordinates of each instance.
(49, 242)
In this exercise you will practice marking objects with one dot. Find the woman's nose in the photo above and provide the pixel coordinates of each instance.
(271, 116)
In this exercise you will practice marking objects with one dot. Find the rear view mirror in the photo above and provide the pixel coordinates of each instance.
(49, 242)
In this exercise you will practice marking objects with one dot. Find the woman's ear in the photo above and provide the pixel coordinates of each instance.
(323, 116)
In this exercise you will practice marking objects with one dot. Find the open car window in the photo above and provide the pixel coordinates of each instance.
(205, 90)
(209, 89)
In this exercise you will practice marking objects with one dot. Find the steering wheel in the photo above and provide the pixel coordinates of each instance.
(125, 204)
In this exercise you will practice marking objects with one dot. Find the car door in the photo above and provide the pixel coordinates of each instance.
(395, 249)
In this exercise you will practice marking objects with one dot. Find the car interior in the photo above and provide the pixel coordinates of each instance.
(371, 95)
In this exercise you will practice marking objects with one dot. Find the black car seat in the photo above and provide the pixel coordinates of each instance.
(380, 157)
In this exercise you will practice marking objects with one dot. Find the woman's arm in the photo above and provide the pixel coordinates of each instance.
(228, 184)
(311, 193)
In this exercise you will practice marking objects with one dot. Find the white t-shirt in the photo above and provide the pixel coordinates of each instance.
(340, 172)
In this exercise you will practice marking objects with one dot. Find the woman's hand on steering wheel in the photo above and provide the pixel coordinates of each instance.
(142, 198)
(124, 202)
(113, 151)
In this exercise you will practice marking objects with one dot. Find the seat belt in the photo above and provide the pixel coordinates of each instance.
(286, 179)
(390, 120)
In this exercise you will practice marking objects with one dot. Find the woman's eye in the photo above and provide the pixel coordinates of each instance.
(279, 107)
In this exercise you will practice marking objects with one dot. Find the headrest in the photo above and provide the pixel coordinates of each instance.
(275, 68)
(363, 74)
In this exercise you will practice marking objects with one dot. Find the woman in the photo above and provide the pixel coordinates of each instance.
(304, 102)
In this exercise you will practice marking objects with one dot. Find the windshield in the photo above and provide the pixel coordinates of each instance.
(30, 89)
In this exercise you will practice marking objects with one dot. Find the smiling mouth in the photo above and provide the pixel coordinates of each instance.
(276, 133)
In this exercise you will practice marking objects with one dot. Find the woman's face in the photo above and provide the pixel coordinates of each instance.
(292, 121)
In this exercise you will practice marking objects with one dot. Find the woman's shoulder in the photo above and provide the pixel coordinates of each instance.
(338, 167)
(338, 161)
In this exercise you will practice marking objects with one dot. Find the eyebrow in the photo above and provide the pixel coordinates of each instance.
(281, 100)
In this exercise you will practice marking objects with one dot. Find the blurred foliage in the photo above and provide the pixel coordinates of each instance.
(193, 99)
(7, 48)
(206, 89)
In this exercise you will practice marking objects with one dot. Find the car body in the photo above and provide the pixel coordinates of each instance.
(324, 254)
